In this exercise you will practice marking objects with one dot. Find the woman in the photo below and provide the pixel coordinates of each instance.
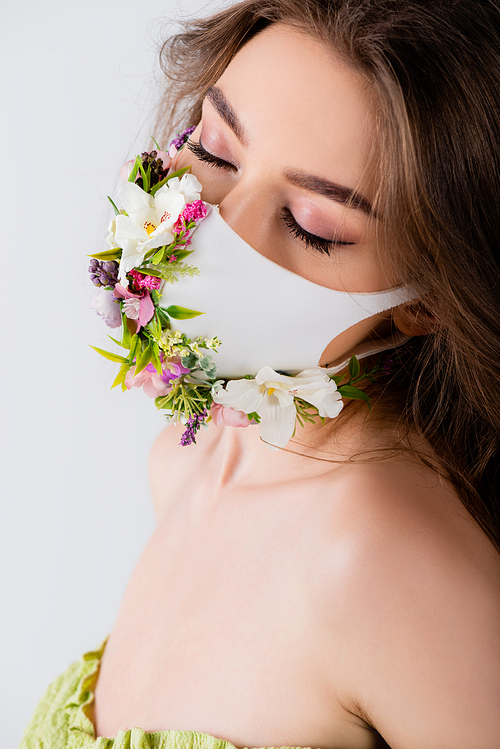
(342, 592)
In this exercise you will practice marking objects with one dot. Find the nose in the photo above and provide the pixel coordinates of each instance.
(248, 209)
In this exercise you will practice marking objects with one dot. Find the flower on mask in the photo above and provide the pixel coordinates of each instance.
(137, 307)
(225, 416)
(271, 395)
(106, 305)
(149, 241)
(143, 281)
(152, 383)
(148, 220)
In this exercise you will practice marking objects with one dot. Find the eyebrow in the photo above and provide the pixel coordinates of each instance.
(345, 195)
(338, 193)
(226, 112)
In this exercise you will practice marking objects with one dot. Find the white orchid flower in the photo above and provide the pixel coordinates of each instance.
(271, 395)
(150, 219)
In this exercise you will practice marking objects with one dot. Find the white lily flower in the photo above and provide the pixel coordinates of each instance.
(150, 219)
(271, 395)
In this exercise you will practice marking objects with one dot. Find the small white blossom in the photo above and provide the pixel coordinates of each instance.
(271, 395)
(150, 219)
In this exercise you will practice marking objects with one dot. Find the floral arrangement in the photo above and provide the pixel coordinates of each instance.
(149, 243)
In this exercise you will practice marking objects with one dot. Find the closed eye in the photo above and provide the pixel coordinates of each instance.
(203, 155)
(311, 240)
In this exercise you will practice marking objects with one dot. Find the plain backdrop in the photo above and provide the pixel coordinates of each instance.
(79, 90)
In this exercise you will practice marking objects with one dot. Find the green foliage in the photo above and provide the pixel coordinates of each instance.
(144, 359)
(255, 416)
(155, 357)
(181, 313)
(306, 412)
(162, 182)
(171, 272)
(114, 254)
(189, 360)
(120, 377)
(348, 391)
(133, 173)
(185, 398)
(114, 206)
(354, 367)
(110, 356)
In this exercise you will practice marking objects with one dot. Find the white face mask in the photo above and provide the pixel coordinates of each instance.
(264, 314)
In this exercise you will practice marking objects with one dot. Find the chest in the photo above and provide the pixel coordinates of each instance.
(216, 634)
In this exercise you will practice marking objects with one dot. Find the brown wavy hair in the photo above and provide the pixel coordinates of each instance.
(434, 67)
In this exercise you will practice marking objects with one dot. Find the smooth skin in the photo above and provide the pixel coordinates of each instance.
(282, 600)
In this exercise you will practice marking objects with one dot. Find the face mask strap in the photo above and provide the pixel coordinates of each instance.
(368, 348)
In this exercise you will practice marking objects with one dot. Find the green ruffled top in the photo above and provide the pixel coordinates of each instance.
(61, 719)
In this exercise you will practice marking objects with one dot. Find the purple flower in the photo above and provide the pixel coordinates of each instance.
(181, 138)
(192, 427)
(107, 306)
(103, 273)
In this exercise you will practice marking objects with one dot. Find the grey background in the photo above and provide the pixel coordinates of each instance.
(78, 96)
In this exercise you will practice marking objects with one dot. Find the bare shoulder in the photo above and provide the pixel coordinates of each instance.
(408, 588)
(171, 467)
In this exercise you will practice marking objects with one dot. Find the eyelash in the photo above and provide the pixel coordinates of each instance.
(311, 240)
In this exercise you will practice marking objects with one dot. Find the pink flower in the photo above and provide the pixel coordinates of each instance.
(165, 158)
(229, 416)
(106, 305)
(195, 211)
(144, 311)
(126, 170)
(151, 382)
(172, 369)
(144, 282)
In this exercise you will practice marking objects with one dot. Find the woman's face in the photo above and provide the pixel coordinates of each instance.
(283, 145)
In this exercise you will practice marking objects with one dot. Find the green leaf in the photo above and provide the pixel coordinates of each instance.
(255, 416)
(162, 182)
(114, 254)
(117, 212)
(190, 360)
(159, 256)
(120, 377)
(110, 356)
(348, 391)
(155, 357)
(354, 367)
(126, 334)
(156, 143)
(182, 313)
(164, 318)
(135, 347)
(145, 177)
(181, 254)
(336, 378)
(117, 342)
(144, 359)
(148, 272)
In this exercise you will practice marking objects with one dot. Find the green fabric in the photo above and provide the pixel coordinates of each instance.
(61, 719)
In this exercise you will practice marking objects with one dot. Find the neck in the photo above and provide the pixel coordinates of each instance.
(241, 458)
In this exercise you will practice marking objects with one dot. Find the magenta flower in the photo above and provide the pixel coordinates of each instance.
(195, 211)
(230, 416)
(138, 307)
(144, 282)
